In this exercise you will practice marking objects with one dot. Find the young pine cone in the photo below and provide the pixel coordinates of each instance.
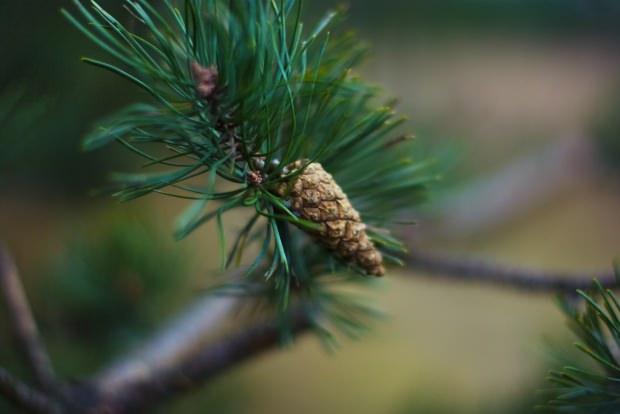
(315, 196)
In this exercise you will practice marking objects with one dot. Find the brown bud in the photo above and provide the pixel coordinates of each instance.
(255, 178)
(205, 79)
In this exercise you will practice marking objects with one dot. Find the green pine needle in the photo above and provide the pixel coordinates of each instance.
(597, 325)
(285, 91)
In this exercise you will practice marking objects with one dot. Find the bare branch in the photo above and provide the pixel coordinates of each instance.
(159, 384)
(182, 338)
(24, 397)
(473, 271)
(22, 322)
(492, 201)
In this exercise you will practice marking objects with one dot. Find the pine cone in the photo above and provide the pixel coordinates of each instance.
(315, 196)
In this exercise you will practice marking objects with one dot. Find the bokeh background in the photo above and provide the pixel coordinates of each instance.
(520, 98)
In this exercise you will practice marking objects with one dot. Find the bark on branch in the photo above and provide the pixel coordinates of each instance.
(182, 338)
(24, 397)
(22, 323)
(158, 384)
(181, 357)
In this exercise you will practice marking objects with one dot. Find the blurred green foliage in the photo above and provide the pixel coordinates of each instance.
(112, 283)
(18, 114)
(58, 102)
(475, 15)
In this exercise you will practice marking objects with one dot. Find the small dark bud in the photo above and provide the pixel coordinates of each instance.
(255, 178)
(205, 79)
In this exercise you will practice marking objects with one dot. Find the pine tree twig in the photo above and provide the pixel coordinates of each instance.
(22, 323)
(477, 271)
(179, 341)
(160, 384)
(24, 397)
(175, 361)
(180, 357)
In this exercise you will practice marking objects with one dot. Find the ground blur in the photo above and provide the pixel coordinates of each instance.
(489, 86)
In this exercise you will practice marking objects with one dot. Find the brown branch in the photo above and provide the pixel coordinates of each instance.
(475, 271)
(158, 385)
(22, 322)
(175, 361)
(24, 397)
(181, 357)
(180, 340)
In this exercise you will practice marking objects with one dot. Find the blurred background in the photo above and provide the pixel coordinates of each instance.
(521, 97)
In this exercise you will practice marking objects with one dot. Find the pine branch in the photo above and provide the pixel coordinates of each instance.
(242, 91)
(158, 384)
(24, 397)
(179, 360)
(175, 361)
(22, 323)
(589, 385)
(476, 271)
(183, 338)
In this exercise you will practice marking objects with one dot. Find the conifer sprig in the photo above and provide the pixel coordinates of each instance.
(595, 389)
(240, 90)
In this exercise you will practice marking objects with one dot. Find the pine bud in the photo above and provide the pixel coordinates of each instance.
(205, 79)
(315, 196)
